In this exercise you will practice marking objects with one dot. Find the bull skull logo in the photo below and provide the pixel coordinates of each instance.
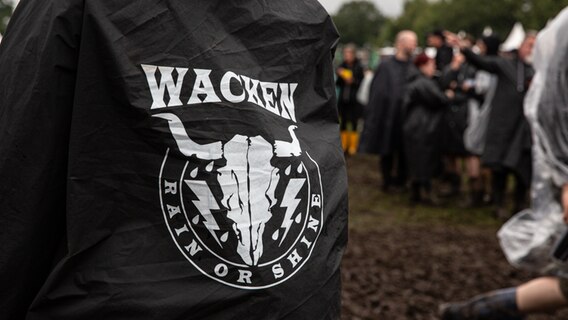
(253, 194)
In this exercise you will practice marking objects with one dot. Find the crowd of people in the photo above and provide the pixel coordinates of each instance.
(474, 112)
(451, 117)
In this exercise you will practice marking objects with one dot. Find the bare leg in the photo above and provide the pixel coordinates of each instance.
(540, 295)
(473, 165)
(475, 181)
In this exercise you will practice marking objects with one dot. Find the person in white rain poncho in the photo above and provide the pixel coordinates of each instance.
(530, 236)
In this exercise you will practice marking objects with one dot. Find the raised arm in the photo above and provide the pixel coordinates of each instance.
(487, 63)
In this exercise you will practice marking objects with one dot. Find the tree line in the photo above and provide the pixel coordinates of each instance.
(360, 22)
(5, 13)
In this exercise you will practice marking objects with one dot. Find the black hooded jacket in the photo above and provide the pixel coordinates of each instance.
(508, 137)
(423, 106)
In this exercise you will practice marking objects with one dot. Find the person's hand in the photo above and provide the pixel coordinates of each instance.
(453, 85)
(450, 94)
(565, 202)
(346, 75)
(467, 85)
(453, 40)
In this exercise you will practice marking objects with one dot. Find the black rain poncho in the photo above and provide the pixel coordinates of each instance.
(424, 105)
(170, 160)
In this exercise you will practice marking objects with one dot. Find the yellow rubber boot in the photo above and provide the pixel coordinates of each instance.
(344, 140)
(353, 142)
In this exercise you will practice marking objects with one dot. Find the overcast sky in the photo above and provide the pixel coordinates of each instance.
(390, 8)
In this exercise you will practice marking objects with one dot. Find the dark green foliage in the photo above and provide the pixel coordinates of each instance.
(5, 13)
(359, 22)
(471, 16)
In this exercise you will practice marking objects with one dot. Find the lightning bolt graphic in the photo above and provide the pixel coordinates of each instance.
(205, 203)
(290, 202)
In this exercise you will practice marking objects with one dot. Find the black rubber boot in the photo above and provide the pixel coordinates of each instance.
(520, 195)
(475, 197)
(415, 196)
(455, 184)
(495, 305)
(385, 165)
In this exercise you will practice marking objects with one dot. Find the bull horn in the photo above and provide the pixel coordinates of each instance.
(288, 149)
(188, 147)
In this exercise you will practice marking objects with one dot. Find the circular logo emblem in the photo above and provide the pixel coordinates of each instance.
(244, 212)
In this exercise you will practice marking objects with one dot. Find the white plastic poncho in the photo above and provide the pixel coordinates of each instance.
(474, 134)
(528, 238)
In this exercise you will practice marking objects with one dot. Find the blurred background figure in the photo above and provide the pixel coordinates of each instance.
(382, 132)
(423, 106)
(457, 77)
(444, 53)
(507, 144)
(349, 77)
(479, 109)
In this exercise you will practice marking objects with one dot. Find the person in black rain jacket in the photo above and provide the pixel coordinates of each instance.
(423, 106)
(508, 141)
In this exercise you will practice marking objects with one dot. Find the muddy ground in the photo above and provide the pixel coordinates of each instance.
(402, 262)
